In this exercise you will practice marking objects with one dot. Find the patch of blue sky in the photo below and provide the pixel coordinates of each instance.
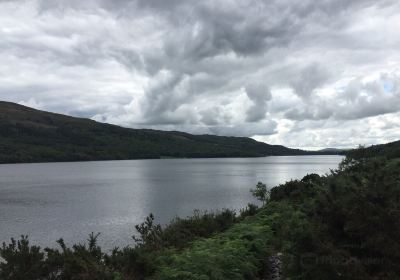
(388, 86)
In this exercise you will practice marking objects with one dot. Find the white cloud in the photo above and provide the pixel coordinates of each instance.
(301, 74)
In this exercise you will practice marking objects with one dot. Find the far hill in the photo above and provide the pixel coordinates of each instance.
(30, 135)
(333, 151)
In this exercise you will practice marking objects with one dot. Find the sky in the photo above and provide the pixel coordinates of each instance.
(305, 74)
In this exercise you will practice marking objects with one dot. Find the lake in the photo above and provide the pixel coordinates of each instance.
(48, 201)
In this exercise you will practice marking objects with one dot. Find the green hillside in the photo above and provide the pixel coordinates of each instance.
(29, 135)
(389, 150)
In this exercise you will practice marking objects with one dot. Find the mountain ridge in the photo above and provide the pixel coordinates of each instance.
(31, 135)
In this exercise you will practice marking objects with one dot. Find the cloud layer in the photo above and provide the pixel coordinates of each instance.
(298, 73)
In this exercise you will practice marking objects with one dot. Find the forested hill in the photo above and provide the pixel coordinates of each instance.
(389, 150)
(29, 135)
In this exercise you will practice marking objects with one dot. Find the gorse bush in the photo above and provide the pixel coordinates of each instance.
(22, 260)
(150, 234)
(87, 261)
(182, 231)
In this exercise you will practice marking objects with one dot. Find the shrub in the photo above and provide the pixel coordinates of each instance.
(22, 261)
(261, 192)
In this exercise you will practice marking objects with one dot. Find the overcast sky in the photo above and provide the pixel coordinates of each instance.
(305, 74)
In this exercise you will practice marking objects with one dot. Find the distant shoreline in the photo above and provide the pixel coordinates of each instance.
(162, 158)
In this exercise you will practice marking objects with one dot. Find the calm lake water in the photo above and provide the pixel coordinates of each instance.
(52, 200)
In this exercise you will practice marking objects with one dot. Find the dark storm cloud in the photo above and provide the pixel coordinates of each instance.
(308, 79)
(224, 67)
(259, 95)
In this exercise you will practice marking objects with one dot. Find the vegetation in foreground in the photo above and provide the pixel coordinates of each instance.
(341, 226)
